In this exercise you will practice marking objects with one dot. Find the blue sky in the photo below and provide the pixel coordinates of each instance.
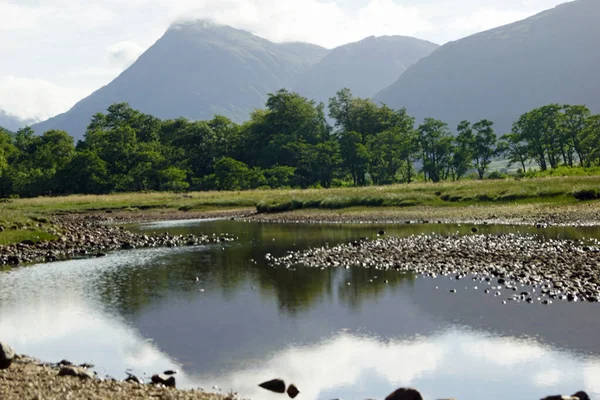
(55, 52)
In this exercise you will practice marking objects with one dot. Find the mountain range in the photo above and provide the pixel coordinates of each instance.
(499, 74)
(198, 69)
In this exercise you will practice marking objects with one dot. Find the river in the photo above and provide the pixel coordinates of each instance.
(227, 320)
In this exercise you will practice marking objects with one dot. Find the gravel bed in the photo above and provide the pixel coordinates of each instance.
(560, 269)
(28, 379)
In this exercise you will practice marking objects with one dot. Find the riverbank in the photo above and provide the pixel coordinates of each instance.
(93, 235)
(28, 379)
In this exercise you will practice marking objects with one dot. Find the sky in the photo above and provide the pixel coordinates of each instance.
(55, 52)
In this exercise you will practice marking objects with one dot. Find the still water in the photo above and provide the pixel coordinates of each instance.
(335, 333)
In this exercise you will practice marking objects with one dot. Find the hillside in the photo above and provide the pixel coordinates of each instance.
(196, 70)
(504, 72)
(366, 66)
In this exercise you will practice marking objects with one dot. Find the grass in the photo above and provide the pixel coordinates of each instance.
(445, 194)
(26, 214)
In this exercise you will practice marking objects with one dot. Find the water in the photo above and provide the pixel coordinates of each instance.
(335, 333)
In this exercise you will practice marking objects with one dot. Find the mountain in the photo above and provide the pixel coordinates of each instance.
(499, 74)
(366, 66)
(11, 122)
(195, 70)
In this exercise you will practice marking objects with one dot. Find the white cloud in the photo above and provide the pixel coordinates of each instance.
(314, 21)
(37, 99)
(123, 54)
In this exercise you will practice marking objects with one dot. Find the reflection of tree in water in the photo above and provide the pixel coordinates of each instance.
(130, 288)
(368, 284)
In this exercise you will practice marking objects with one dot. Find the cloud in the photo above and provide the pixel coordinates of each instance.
(37, 99)
(123, 54)
(314, 21)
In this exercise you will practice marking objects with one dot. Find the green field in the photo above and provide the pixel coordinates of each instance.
(21, 218)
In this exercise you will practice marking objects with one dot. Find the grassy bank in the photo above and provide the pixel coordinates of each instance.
(445, 194)
(25, 214)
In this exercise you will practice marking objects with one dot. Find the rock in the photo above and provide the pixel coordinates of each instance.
(274, 385)
(170, 372)
(405, 394)
(134, 379)
(581, 395)
(28, 243)
(7, 354)
(293, 391)
(86, 365)
(381, 233)
(78, 372)
(474, 230)
(167, 380)
(64, 362)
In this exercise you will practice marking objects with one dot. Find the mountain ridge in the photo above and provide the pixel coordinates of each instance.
(503, 72)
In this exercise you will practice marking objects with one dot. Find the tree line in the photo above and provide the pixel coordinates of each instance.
(289, 143)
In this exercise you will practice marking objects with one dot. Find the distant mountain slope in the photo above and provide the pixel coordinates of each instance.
(196, 70)
(366, 66)
(504, 72)
(12, 123)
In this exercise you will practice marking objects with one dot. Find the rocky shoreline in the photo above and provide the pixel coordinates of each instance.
(580, 214)
(27, 378)
(499, 265)
(93, 235)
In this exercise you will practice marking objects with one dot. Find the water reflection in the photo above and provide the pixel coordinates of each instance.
(350, 334)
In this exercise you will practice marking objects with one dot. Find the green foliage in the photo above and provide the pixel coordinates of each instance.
(290, 144)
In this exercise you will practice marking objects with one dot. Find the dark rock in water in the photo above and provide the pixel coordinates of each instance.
(28, 242)
(275, 385)
(293, 391)
(99, 255)
(581, 395)
(7, 354)
(14, 260)
(134, 379)
(70, 370)
(64, 362)
(405, 394)
(170, 372)
(86, 365)
(381, 233)
(168, 381)
(474, 230)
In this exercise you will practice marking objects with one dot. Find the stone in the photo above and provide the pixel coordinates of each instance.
(134, 379)
(170, 372)
(405, 394)
(167, 380)
(274, 385)
(293, 391)
(78, 372)
(7, 355)
(28, 243)
(581, 395)
(474, 230)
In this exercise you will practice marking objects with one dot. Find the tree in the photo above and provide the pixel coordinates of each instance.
(462, 152)
(516, 149)
(436, 146)
(573, 125)
(355, 156)
(483, 146)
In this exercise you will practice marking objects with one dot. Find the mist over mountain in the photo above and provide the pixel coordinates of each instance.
(499, 74)
(11, 122)
(365, 67)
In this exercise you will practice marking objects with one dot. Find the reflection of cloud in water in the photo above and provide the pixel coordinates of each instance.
(349, 366)
(62, 329)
